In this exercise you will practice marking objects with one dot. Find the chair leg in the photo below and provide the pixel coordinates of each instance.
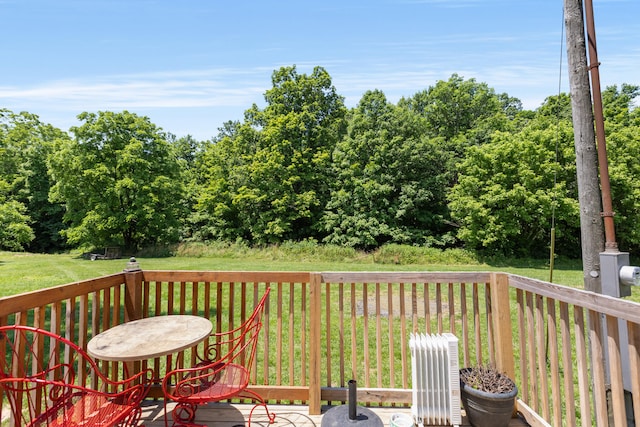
(133, 419)
(270, 415)
(166, 418)
(261, 402)
(183, 415)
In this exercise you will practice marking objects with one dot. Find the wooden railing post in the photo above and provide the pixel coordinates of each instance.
(501, 315)
(133, 301)
(133, 294)
(314, 343)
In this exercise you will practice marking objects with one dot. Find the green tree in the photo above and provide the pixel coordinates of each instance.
(188, 151)
(510, 189)
(463, 113)
(15, 231)
(269, 181)
(120, 181)
(459, 107)
(222, 173)
(618, 106)
(556, 108)
(622, 126)
(388, 184)
(25, 144)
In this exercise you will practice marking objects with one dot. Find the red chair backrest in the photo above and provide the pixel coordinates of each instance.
(35, 367)
(240, 345)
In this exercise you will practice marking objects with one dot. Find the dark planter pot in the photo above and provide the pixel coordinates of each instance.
(487, 409)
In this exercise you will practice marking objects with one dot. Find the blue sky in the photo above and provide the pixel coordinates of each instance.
(192, 65)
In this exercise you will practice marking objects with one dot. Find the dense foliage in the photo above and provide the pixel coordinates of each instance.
(511, 188)
(28, 221)
(454, 165)
(119, 179)
(268, 181)
(388, 183)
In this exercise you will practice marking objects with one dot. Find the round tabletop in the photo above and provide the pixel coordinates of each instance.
(149, 338)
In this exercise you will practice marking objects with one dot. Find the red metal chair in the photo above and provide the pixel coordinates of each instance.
(46, 379)
(224, 375)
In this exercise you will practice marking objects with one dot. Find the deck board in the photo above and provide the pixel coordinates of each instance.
(232, 415)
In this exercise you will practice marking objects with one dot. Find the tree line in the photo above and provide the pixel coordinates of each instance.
(454, 165)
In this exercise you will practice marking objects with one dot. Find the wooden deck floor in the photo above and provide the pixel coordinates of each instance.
(236, 415)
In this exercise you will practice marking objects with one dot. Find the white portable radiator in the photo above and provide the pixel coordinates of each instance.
(436, 379)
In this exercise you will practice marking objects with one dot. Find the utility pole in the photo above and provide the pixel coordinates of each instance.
(606, 270)
(589, 197)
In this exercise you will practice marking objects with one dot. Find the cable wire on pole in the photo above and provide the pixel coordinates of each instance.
(552, 246)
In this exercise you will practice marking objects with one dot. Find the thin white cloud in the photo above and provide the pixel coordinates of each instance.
(187, 88)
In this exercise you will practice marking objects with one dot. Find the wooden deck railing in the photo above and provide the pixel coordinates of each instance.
(573, 346)
(323, 329)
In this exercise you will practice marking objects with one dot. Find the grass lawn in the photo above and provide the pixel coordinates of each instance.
(23, 272)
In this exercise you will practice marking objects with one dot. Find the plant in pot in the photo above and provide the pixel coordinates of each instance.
(488, 396)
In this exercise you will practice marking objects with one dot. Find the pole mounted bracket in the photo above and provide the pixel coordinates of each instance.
(608, 214)
(596, 65)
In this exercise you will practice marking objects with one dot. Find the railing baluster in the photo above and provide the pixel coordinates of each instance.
(291, 339)
(583, 365)
(170, 297)
(404, 338)
(341, 332)
(540, 337)
(615, 372)
(219, 307)
(524, 359)
(452, 310)
(553, 358)
(391, 338)
(303, 336)
(427, 307)
(327, 320)
(354, 371)
(634, 362)
(117, 306)
(439, 307)
(365, 335)
(489, 325)
(183, 297)
(567, 366)
(267, 334)
(414, 308)
(378, 334)
(476, 324)
(596, 340)
(464, 324)
(279, 336)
